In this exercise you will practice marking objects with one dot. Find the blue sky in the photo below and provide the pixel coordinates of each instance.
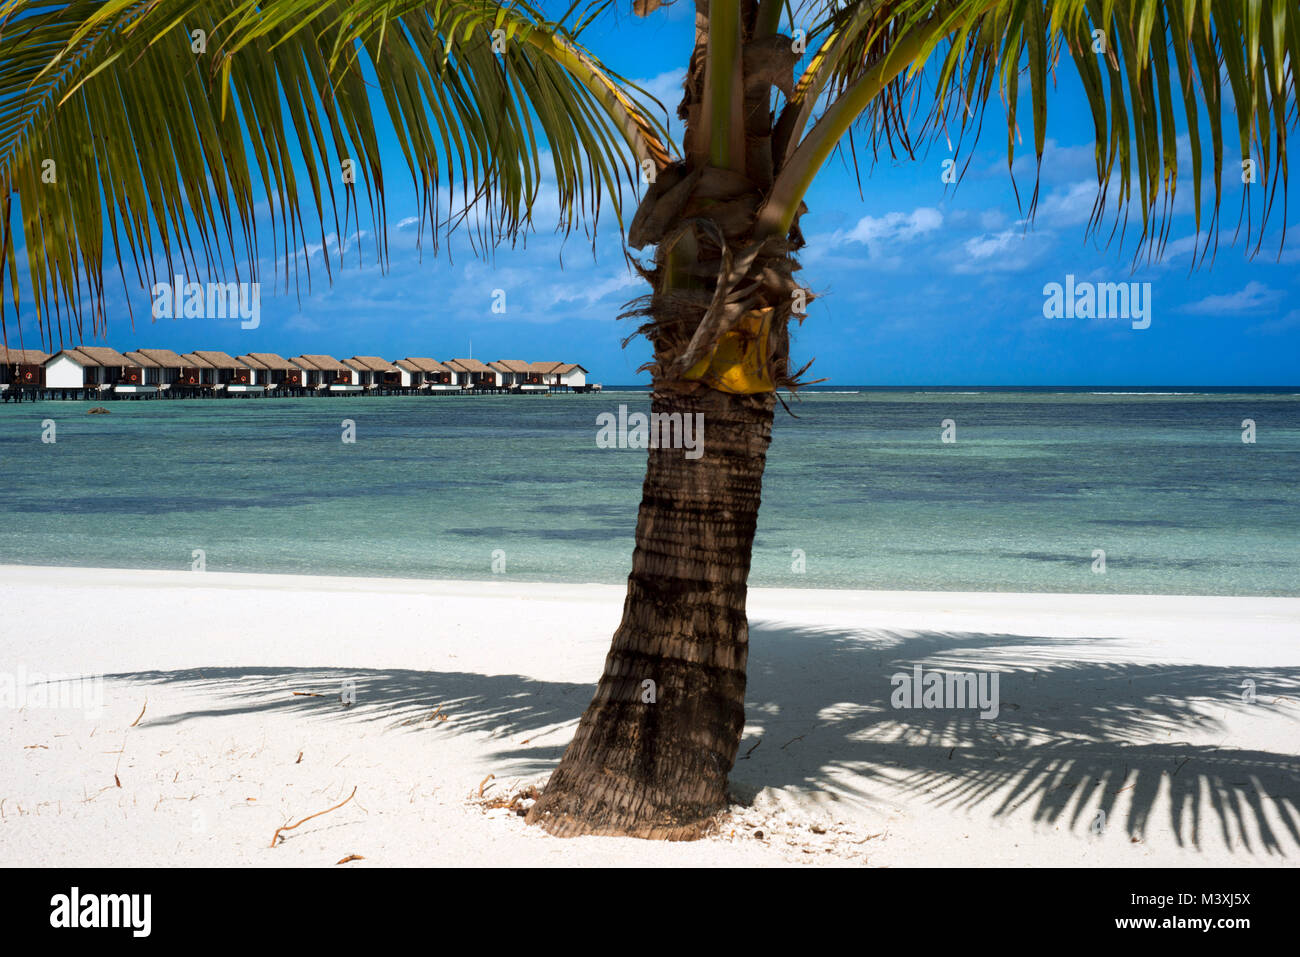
(919, 282)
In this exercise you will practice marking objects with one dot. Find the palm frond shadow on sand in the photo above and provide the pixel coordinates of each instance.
(1072, 736)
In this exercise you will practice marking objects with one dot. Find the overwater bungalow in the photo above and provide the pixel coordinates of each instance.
(545, 372)
(562, 376)
(374, 372)
(506, 376)
(518, 375)
(410, 375)
(226, 372)
(312, 378)
(256, 372)
(439, 376)
(281, 373)
(88, 369)
(21, 370)
(360, 374)
(420, 372)
(142, 377)
(572, 376)
(472, 374)
(244, 378)
(197, 374)
(325, 373)
(272, 372)
(166, 369)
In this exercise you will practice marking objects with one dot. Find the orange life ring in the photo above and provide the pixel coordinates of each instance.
(28, 376)
(191, 380)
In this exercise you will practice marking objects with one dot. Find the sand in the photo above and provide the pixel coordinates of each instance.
(1131, 730)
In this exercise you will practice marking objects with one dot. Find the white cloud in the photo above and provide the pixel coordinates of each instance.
(584, 290)
(1007, 250)
(893, 227)
(1181, 247)
(1066, 207)
(1255, 295)
(991, 244)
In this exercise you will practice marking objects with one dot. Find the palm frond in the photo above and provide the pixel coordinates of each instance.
(1148, 69)
(162, 126)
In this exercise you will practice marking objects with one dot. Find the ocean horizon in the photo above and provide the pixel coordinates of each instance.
(1049, 389)
(1045, 489)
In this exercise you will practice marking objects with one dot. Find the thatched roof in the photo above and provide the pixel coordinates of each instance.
(512, 365)
(421, 364)
(220, 360)
(142, 360)
(555, 368)
(322, 362)
(76, 356)
(369, 364)
(164, 357)
(267, 360)
(11, 357)
(207, 359)
(372, 364)
(95, 356)
(468, 365)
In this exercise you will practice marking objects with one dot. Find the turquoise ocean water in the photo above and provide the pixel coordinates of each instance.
(860, 483)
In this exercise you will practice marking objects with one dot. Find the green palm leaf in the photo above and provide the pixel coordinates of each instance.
(118, 125)
(1146, 67)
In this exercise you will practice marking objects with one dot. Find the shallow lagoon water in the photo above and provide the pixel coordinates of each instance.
(859, 483)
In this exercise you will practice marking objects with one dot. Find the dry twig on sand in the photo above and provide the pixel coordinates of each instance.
(419, 720)
(141, 715)
(350, 857)
(289, 827)
(513, 802)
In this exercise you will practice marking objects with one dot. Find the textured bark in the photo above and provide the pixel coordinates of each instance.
(659, 770)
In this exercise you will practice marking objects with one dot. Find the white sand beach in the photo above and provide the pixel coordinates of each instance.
(1136, 707)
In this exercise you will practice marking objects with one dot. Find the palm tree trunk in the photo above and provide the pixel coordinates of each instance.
(651, 760)
(652, 751)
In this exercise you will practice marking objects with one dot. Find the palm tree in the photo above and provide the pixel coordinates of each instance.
(149, 112)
